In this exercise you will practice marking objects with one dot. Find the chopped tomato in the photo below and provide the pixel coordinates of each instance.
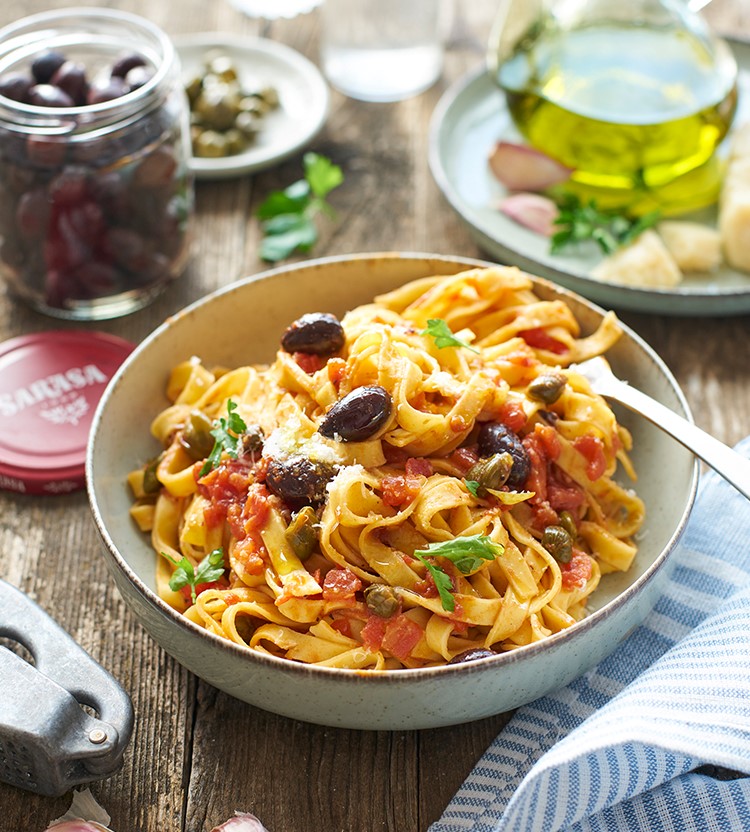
(249, 553)
(222, 583)
(512, 415)
(577, 571)
(400, 489)
(544, 515)
(309, 362)
(394, 455)
(340, 585)
(537, 479)
(458, 424)
(417, 466)
(226, 485)
(592, 448)
(564, 497)
(256, 508)
(373, 632)
(464, 458)
(401, 636)
(343, 626)
(549, 440)
(540, 339)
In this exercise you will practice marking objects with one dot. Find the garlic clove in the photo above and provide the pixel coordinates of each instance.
(241, 822)
(523, 168)
(82, 806)
(532, 211)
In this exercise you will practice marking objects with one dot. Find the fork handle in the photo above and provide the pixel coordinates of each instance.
(732, 466)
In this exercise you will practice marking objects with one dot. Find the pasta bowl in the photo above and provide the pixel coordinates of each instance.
(242, 325)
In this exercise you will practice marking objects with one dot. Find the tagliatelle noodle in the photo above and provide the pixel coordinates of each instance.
(392, 495)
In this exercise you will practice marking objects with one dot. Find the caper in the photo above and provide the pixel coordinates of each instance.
(558, 543)
(302, 533)
(217, 107)
(252, 440)
(567, 521)
(210, 144)
(270, 95)
(223, 67)
(196, 436)
(236, 141)
(382, 600)
(319, 333)
(492, 472)
(193, 88)
(151, 484)
(497, 438)
(471, 655)
(299, 481)
(247, 124)
(547, 388)
(358, 416)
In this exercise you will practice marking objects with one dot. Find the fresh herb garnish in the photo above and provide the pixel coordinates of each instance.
(224, 440)
(288, 216)
(441, 333)
(579, 221)
(473, 487)
(466, 554)
(211, 568)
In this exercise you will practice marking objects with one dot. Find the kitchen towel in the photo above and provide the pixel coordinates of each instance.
(657, 736)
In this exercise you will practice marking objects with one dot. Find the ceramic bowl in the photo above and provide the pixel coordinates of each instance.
(242, 324)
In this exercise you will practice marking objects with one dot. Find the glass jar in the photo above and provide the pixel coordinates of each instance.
(96, 195)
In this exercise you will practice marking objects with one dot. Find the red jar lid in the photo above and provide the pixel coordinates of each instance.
(50, 384)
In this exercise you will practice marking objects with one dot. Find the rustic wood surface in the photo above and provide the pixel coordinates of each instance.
(197, 754)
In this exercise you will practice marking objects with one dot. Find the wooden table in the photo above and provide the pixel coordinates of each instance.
(196, 754)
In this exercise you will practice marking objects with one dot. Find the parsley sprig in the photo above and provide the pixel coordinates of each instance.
(226, 435)
(441, 333)
(465, 553)
(211, 568)
(578, 221)
(288, 216)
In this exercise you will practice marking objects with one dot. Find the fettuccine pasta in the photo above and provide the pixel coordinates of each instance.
(425, 481)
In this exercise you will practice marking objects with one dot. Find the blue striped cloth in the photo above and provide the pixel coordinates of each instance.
(656, 737)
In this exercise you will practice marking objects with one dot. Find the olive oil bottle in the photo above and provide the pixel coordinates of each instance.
(636, 109)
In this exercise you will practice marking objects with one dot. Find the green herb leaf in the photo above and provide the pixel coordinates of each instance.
(441, 333)
(443, 583)
(579, 221)
(226, 437)
(288, 216)
(211, 568)
(473, 487)
(466, 553)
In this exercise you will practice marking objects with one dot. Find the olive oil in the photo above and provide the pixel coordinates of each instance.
(637, 112)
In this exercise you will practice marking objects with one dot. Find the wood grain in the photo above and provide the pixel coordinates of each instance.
(197, 754)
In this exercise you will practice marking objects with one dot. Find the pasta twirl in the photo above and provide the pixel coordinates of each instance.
(440, 486)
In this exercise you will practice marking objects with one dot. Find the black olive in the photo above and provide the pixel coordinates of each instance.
(382, 600)
(497, 438)
(470, 655)
(16, 85)
(299, 481)
(124, 64)
(317, 332)
(71, 79)
(46, 64)
(557, 542)
(46, 95)
(114, 88)
(358, 416)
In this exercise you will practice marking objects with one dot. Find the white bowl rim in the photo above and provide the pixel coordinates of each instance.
(380, 677)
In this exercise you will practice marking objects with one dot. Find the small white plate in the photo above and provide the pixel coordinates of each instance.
(468, 120)
(303, 94)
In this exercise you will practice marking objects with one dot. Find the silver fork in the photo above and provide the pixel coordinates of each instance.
(734, 468)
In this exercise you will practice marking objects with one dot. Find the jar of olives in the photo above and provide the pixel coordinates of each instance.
(96, 196)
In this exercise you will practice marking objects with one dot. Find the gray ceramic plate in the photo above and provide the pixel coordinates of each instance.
(242, 324)
(303, 94)
(470, 117)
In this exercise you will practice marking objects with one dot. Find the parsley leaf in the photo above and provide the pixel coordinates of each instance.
(288, 216)
(579, 221)
(441, 333)
(473, 487)
(223, 439)
(211, 568)
(466, 553)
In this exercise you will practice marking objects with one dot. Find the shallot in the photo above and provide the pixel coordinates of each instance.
(532, 211)
(241, 822)
(84, 815)
(523, 168)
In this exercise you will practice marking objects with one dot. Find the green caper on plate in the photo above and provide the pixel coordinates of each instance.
(225, 114)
